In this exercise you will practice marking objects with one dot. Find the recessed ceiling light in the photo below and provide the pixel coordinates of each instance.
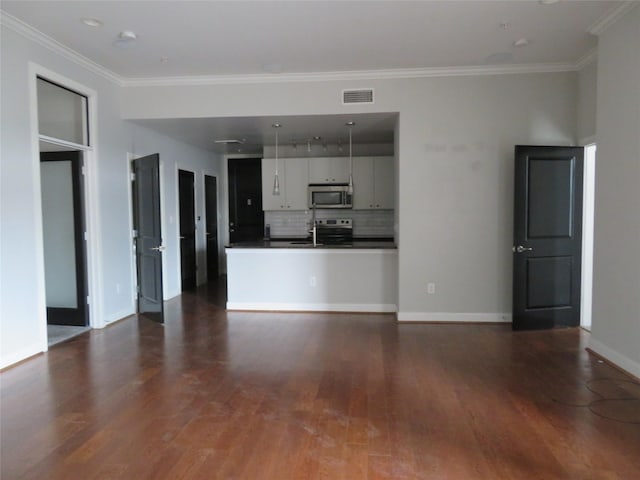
(547, 2)
(504, 25)
(521, 42)
(164, 59)
(92, 22)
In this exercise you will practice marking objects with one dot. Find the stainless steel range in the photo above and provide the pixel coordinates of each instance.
(334, 230)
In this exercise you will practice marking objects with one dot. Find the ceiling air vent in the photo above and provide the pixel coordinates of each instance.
(364, 95)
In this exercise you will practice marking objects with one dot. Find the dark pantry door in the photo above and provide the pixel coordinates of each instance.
(246, 218)
(58, 169)
(187, 208)
(149, 248)
(211, 225)
(547, 251)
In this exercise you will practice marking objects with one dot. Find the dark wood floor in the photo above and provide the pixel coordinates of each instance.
(304, 396)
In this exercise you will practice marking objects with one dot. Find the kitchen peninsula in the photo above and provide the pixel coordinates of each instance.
(296, 276)
(352, 265)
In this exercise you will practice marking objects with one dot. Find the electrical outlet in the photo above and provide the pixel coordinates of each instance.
(431, 288)
(312, 281)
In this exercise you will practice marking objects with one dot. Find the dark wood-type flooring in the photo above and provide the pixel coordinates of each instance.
(231, 395)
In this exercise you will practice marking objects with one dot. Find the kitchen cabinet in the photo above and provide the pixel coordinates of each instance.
(293, 174)
(374, 183)
(329, 170)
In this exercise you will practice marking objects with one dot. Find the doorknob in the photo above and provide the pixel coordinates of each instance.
(521, 249)
(159, 248)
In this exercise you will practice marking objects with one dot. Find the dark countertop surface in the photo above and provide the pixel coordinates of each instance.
(379, 243)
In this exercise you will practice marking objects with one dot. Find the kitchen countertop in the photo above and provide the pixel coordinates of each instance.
(301, 243)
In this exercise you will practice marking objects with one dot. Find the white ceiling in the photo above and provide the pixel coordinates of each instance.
(240, 38)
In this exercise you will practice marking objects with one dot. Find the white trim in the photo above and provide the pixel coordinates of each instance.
(40, 300)
(92, 212)
(611, 17)
(64, 143)
(133, 267)
(116, 317)
(400, 73)
(588, 208)
(314, 307)
(587, 59)
(622, 361)
(453, 317)
(586, 141)
(46, 41)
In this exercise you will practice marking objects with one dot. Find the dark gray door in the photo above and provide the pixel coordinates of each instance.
(187, 209)
(66, 289)
(146, 195)
(211, 213)
(547, 249)
(246, 218)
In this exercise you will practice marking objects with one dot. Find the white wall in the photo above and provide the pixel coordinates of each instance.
(586, 104)
(616, 281)
(455, 141)
(22, 293)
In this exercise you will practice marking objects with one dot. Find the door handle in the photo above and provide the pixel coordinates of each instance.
(159, 248)
(182, 238)
(520, 249)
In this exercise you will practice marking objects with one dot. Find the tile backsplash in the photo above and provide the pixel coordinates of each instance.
(366, 223)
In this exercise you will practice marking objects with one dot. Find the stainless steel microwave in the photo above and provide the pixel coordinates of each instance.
(332, 195)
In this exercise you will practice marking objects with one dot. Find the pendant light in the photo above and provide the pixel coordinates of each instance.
(350, 187)
(276, 180)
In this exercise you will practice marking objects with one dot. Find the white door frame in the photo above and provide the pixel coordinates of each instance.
(93, 264)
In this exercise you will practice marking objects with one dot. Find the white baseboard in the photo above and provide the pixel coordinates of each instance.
(453, 317)
(115, 317)
(616, 358)
(21, 355)
(314, 307)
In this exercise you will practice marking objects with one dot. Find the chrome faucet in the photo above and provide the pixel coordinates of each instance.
(314, 226)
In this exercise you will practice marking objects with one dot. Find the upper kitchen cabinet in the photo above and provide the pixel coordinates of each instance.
(329, 170)
(293, 174)
(374, 181)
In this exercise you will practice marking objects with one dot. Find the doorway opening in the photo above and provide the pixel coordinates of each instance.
(587, 234)
(62, 110)
(187, 213)
(211, 227)
(246, 217)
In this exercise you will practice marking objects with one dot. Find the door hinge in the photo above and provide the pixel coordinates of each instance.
(83, 170)
(86, 237)
(138, 289)
(88, 300)
(134, 234)
(132, 177)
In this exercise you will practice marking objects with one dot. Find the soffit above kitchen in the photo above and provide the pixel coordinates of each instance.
(154, 42)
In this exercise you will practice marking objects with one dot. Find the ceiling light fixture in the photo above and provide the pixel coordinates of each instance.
(548, 2)
(91, 22)
(276, 180)
(126, 38)
(350, 187)
(521, 42)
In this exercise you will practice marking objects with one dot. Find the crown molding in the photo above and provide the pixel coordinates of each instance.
(40, 38)
(349, 75)
(611, 17)
(201, 80)
(587, 59)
